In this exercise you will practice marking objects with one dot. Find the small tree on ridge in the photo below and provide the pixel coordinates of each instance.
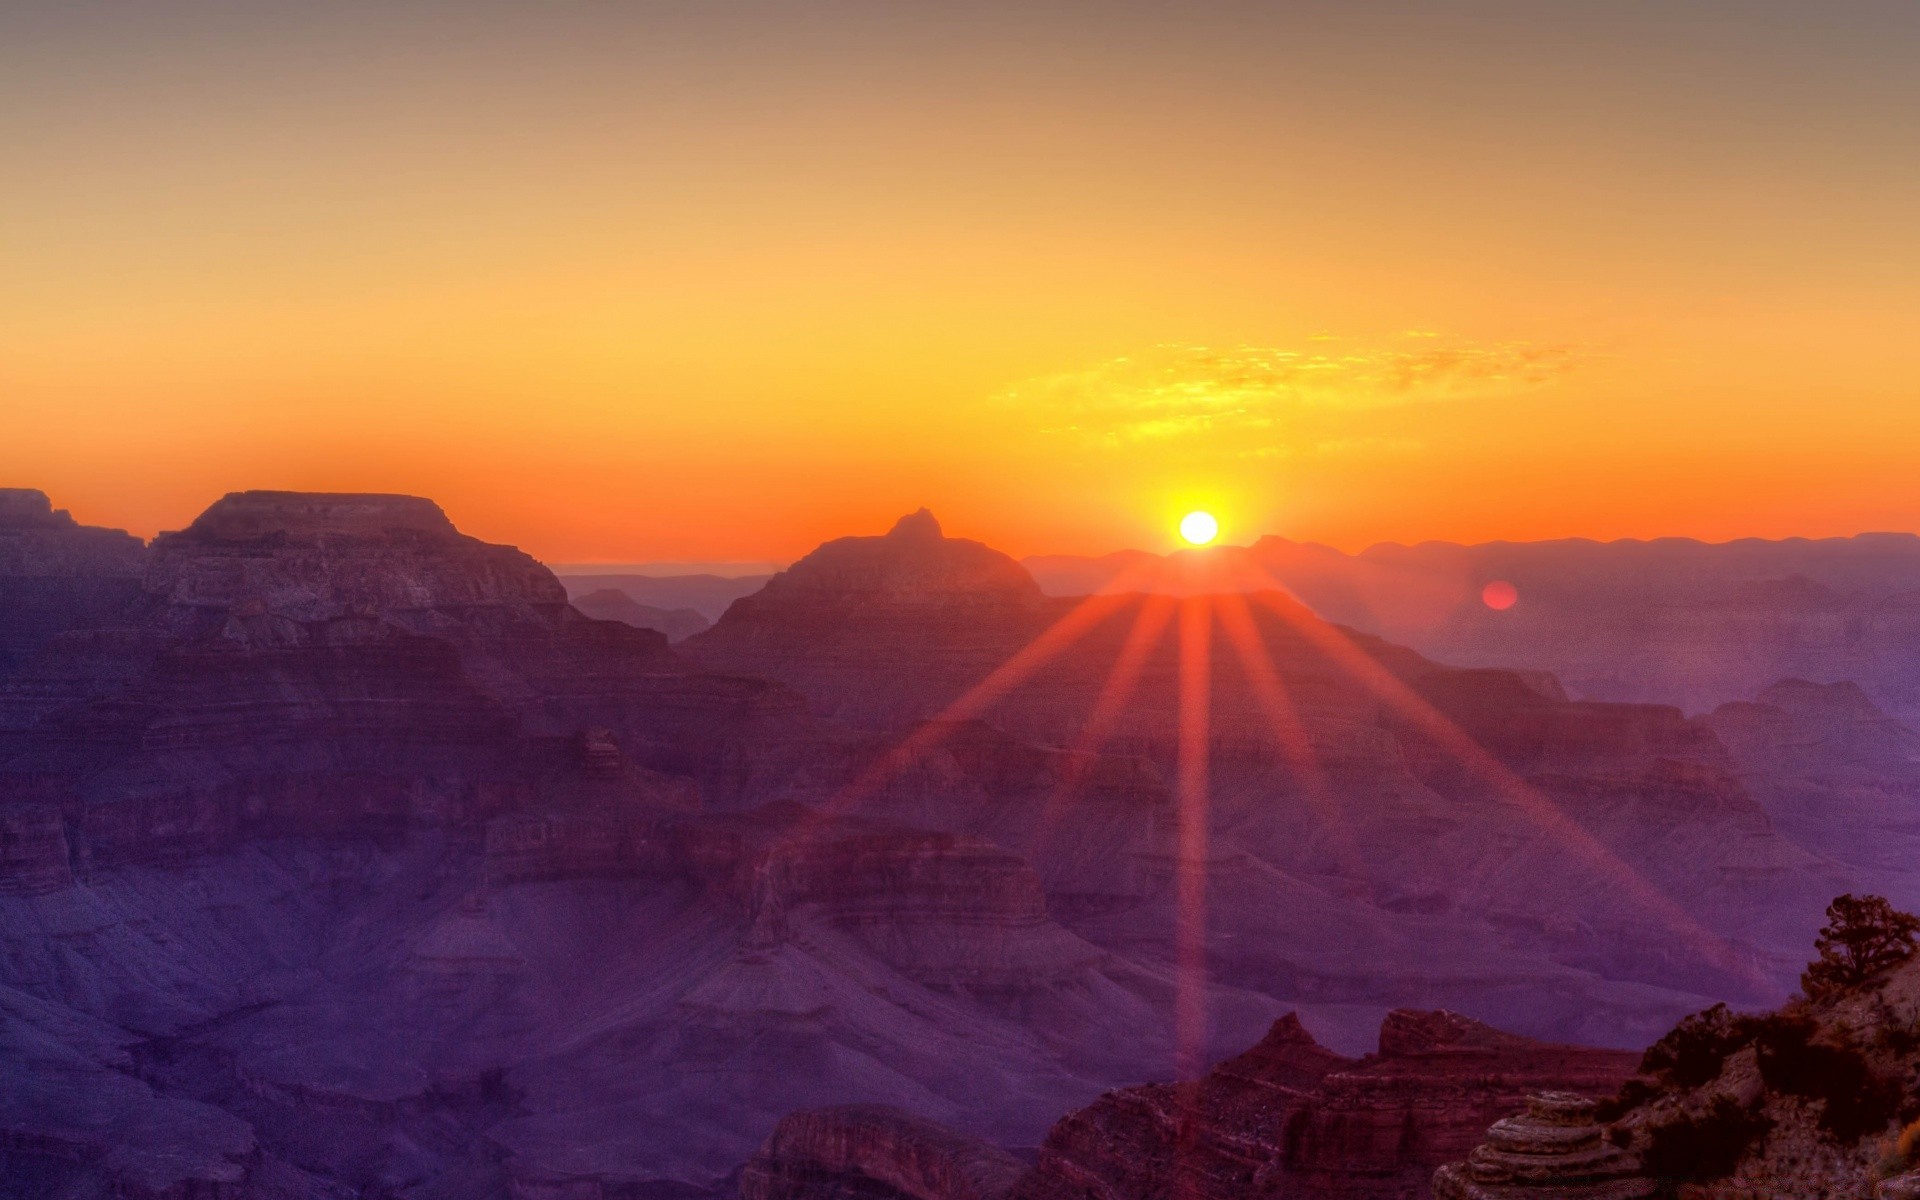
(1864, 935)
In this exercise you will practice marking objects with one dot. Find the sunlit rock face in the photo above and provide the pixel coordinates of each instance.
(1292, 1119)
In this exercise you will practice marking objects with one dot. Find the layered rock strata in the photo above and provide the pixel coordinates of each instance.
(875, 1153)
(1555, 1149)
(1291, 1119)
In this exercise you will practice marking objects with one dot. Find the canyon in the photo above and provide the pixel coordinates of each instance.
(342, 854)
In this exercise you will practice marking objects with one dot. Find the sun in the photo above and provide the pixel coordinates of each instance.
(1199, 528)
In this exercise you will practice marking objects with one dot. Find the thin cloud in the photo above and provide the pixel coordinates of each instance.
(1258, 395)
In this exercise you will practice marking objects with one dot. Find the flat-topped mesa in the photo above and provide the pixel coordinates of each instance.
(874, 1151)
(318, 556)
(1555, 1150)
(298, 518)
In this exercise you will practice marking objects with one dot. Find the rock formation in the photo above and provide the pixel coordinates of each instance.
(1813, 1099)
(57, 575)
(874, 1152)
(1836, 774)
(1292, 1119)
(1555, 1149)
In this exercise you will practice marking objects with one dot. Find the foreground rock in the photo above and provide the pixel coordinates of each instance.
(1292, 1119)
(1556, 1150)
(876, 1153)
(1815, 1099)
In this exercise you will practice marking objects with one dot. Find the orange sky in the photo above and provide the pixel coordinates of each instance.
(658, 282)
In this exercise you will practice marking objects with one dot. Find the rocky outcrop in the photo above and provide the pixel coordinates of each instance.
(1812, 1099)
(1292, 1119)
(57, 574)
(875, 1153)
(1438, 1080)
(1222, 1135)
(1555, 1149)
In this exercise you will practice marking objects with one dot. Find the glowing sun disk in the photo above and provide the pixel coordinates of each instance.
(1199, 528)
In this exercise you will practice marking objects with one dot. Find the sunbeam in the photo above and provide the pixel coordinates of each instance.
(1503, 783)
(1271, 694)
(1148, 624)
(1190, 872)
(1075, 624)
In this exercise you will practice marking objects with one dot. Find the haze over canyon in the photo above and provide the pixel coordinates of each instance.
(342, 855)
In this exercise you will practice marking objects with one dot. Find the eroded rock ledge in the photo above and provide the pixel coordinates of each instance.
(1556, 1148)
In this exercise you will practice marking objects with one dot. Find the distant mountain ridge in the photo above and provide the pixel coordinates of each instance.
(1671, 620)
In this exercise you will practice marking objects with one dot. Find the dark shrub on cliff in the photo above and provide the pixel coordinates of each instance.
(1693, 1052)
(1705, 1146)
(1855, 1100)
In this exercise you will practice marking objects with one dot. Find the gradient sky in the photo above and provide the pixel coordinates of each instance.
(714, 281)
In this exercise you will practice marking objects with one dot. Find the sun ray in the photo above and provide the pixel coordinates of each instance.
(1190, 869)
(1281, 712)
(1503, 783)
(1149, 622)
(1057, 637)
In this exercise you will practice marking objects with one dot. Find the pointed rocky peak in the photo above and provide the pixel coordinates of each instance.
(1289, 1056)
(913, 563)
(920, 525)
(305, 516)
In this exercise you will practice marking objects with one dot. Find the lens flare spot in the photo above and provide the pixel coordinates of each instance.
(1199, 528)
(1499, 595)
